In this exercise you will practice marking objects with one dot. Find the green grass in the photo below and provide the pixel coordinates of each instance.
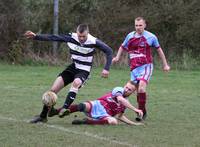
(173, 116)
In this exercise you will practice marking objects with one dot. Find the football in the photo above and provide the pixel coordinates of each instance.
(49, 98)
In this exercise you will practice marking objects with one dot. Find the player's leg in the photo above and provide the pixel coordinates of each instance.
(102, 121)
(56, 87)
(70, 96)
(72, 92)
(111, 120)
(97, 115)
(67, 76)
(80, 78)
(63, 79)
(58, 84)
(82, 107)
(142, 75)
(141, 99)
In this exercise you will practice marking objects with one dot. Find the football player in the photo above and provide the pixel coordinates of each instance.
(82, 48)
(107, 109)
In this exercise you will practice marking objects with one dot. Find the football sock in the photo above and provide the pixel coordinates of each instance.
(69, 99)
(97, 122)
(74, 108)
(141, 99)
(44, 112)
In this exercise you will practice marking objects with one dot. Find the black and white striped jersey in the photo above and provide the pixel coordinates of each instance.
(81, 53)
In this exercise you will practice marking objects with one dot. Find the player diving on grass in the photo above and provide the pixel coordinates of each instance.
(107, 109)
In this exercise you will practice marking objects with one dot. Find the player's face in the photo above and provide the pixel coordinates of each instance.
(129, 89)
(82, 37)
(140, 26)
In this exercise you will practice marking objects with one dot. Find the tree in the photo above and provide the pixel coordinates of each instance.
(55, 25)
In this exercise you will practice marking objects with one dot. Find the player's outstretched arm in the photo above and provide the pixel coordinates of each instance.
(128, 105)
(161, 54)
(117, 57)
(50, 37)
(47, 37)
(29, 34)
(124, 119)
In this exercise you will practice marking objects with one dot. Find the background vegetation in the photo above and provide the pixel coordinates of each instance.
(176, 23)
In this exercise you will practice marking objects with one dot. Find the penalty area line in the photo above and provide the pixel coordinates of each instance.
(74, 132)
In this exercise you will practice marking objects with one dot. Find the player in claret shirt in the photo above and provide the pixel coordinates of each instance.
(107, 109)
(138, 44)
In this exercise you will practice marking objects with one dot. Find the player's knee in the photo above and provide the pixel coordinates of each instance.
(141, 90)
(112, 121)
(81, 107)
(142, 87)
(77, 83)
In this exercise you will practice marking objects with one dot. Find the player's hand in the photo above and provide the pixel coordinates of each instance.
(138, 124)
(166, 68)
(29, 35)
(115, 59)
(104, 73)
(140, 113)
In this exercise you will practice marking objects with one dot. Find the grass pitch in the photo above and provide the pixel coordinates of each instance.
(173, 110)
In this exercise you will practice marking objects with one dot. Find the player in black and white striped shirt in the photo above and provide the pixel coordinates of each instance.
(82, 47)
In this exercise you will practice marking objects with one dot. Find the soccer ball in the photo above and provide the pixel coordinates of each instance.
(49, 98)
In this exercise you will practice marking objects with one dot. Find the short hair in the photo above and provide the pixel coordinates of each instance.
(132, 83)
(140, 18)
(82, 28)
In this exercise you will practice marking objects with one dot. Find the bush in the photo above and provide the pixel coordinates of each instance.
(176, 23)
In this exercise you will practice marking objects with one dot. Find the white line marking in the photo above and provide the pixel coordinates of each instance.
(74, 132)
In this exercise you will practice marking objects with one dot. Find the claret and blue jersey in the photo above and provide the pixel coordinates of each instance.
(107, 105)
(110, 103)
(139, 48)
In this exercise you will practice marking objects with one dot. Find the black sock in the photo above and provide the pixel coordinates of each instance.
(44, 112)
(69, 99)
